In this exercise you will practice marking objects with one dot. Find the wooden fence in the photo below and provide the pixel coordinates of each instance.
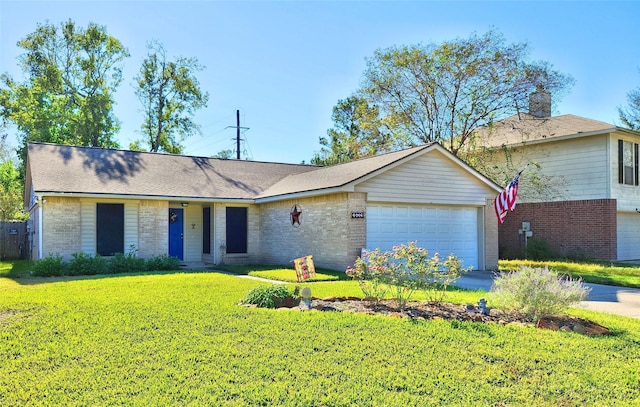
(14, 243)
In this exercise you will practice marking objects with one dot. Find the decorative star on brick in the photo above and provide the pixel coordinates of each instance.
(295, 215)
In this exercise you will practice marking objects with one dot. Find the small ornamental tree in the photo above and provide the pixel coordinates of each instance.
(403, 270)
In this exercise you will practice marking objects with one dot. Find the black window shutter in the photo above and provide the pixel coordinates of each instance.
(206, 230)
(236, 230)
(620, 162)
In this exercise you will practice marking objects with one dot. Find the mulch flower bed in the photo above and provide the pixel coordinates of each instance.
(447, 311)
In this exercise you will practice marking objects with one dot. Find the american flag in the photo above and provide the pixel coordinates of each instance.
(506, 200)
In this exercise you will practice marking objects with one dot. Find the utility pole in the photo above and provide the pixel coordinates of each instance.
(237, 134)
(238, 128)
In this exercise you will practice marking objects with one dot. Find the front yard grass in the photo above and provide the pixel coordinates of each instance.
(282, 273)
(181, 339)
(619, 274)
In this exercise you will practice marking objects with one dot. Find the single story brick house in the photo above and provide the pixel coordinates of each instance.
(105, 201)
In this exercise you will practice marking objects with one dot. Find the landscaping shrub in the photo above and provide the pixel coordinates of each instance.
(537, 292)
(49, 266)
(403, 270)
(538, 249)
(265, 296)
(121, 263)
(163, 262)
(86, 264)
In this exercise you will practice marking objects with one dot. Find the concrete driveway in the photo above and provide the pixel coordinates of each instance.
(602, 298)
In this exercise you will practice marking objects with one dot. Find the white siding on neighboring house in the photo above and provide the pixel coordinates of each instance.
(627, 196)
(577, 167)
(432, 178)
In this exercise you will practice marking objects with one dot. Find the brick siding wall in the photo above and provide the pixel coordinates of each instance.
(61, 225)
(572, 228)
(326, 230)
(153, 230)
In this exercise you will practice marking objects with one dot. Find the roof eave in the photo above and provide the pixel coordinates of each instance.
(40, 194)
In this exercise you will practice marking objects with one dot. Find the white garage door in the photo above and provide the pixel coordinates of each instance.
(628, 236)
(439, 229)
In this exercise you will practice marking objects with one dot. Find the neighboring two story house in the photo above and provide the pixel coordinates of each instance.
(592, 204)
(199, 209)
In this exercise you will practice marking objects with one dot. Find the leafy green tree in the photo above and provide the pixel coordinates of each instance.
(631, 115)
(443, 92)
(11, 186)
(224, 154)
(66, 96)
(170, 94)
(358, 132)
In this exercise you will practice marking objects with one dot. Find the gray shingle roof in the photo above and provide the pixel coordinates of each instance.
(86, 170)
(337, 175)
(524, 128)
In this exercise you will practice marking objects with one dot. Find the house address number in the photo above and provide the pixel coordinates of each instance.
(357, 215)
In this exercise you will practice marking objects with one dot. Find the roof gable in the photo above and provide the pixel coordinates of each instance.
(346, 176)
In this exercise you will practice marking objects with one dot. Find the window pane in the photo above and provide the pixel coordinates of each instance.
(628, 163)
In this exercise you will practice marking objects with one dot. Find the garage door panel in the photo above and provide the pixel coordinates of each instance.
(628, 236)
(437, 229)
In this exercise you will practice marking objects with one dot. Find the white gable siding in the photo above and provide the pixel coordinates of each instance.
(573, 169)
(432, 178)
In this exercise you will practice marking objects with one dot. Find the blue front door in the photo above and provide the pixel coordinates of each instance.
(176, 233)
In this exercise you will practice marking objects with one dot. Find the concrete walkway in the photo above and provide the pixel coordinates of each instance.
(602, 298)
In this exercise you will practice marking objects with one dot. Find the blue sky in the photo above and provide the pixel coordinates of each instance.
(285, 64)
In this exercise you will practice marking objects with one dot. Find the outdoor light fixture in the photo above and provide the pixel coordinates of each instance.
(184, 204)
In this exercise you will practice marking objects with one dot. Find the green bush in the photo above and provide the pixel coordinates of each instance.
(49, 266)
(84, 264)
(264, 296)
(538, 249)
(121, 263)
(537, 292)
(163, 262)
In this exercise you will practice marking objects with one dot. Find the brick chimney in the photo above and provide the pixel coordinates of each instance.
(540, 103)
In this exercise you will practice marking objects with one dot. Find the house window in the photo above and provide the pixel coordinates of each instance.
(206, 230)
(109, 229)
(236, 230)
(627, 162)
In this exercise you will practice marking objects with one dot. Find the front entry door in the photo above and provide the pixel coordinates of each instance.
(176, 233)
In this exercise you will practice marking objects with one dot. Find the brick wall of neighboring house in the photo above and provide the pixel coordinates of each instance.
(571, 228)
(61, 226)
(327, 231)
(153, 230)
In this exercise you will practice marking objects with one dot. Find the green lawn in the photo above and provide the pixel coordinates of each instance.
(281, 273)
(181, 339)
(620, 274)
